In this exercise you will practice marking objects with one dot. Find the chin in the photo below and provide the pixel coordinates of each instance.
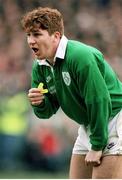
(40, 58)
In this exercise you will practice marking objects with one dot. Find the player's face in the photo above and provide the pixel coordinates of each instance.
(42, 44)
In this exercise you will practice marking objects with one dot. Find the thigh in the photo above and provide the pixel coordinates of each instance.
(78, 169)
(117, 174)
(110, 168)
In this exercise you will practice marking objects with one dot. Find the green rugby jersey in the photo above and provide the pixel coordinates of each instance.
(83, 84)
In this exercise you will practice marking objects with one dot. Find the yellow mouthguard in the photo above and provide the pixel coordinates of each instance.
(40, 87)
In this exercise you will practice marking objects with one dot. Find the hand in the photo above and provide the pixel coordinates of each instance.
(35, 96)
(93, 158)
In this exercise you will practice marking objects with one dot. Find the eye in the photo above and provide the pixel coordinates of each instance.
(36, 34)
(28, 34)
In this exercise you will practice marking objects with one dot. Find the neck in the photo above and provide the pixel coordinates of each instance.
(50, 61)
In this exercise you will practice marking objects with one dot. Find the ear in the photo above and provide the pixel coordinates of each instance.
(57, 35)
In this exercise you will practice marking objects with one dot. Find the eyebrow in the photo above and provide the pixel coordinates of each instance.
(35, 31)
(32, 31)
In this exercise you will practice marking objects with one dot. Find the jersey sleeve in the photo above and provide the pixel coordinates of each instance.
(50, 104)
(93, 90)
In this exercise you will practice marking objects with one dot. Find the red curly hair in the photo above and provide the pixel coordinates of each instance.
(45, 18)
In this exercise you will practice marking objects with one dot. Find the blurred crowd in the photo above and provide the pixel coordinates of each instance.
(95, 22)
(28, 143)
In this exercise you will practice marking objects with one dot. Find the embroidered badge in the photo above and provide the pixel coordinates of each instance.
(48, 78)
(66, 78)
(52, 90)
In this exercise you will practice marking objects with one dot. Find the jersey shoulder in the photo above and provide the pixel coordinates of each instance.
(80, 54)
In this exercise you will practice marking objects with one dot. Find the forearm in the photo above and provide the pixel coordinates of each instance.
(99, 114)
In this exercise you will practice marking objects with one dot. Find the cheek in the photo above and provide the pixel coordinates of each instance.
(46, 45)
(43, 48)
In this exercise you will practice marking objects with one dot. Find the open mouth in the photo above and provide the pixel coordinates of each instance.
(35, 49)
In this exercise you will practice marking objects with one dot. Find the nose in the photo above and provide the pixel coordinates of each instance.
(31, 40)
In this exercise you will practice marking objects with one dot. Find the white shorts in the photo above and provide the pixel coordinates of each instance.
(114, 145)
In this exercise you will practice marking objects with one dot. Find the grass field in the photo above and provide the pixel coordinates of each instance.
(32, 175)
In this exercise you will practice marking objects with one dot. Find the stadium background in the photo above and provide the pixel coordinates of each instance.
(29, 147)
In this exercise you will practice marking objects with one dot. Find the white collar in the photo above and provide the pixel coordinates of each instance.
(60, 53)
